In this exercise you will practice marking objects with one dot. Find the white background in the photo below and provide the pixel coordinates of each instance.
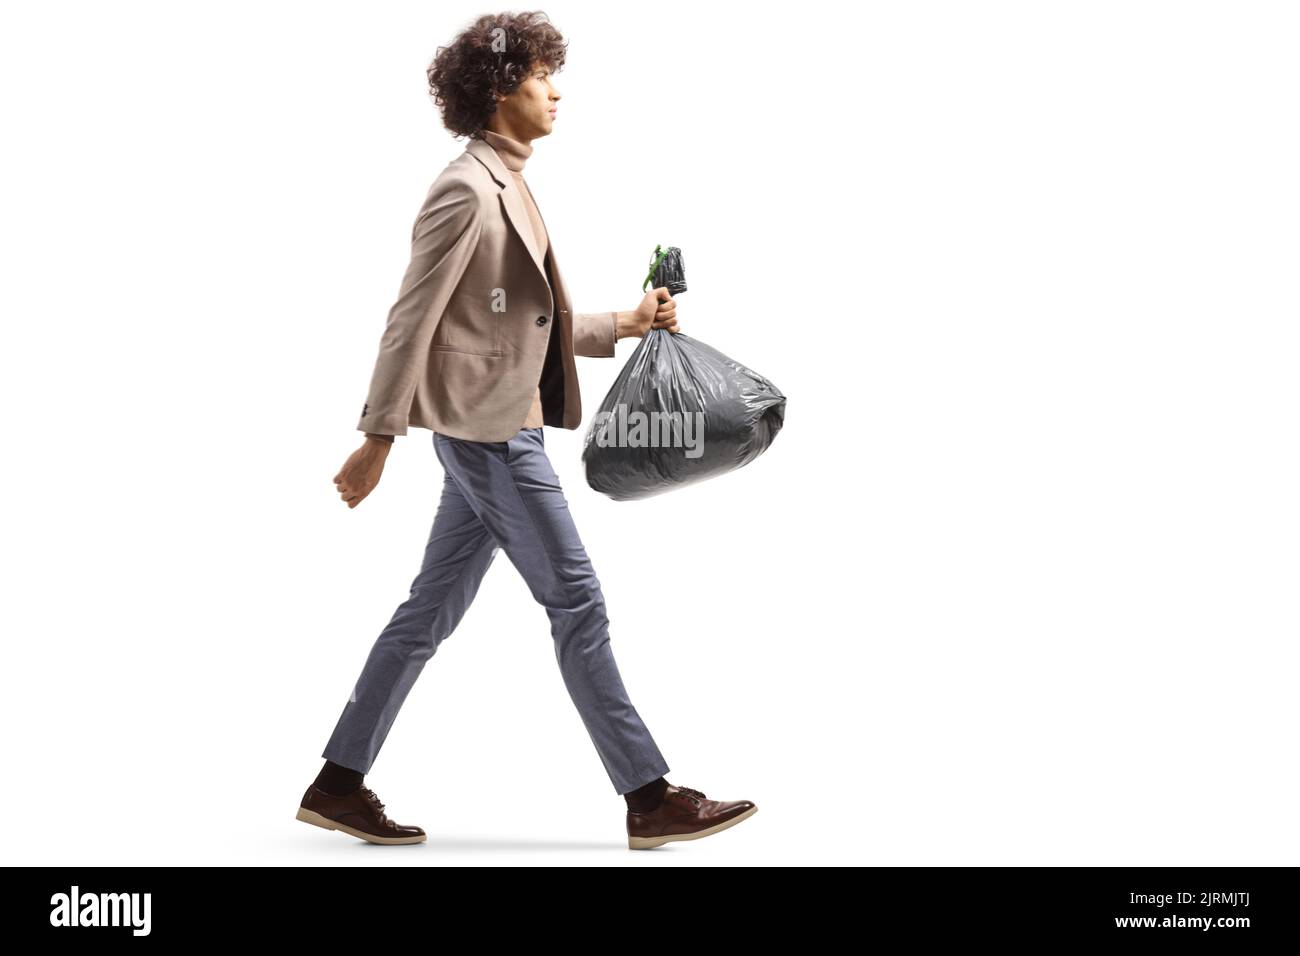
(1015, 585)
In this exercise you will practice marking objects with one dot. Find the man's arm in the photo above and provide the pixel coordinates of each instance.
(594, 333)
(442, 244)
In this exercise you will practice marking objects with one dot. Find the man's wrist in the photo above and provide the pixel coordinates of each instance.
(626, 326)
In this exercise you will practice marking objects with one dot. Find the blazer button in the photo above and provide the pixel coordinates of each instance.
(541, 320)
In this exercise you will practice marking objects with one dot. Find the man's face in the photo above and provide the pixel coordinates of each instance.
(530, 110)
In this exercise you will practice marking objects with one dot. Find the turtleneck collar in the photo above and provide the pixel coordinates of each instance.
(512, 152)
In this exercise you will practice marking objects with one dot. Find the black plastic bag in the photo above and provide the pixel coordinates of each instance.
(679, 412)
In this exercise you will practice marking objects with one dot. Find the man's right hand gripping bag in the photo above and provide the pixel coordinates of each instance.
(679, 412)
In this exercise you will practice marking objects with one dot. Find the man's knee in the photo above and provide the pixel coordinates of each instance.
(571, 596)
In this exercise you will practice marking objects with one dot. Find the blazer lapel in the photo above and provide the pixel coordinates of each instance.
(511, 200)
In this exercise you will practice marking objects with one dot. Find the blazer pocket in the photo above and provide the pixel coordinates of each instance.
(461, 351)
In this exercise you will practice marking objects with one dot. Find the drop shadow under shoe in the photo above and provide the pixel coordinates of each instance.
(358, 813)
(684, 814)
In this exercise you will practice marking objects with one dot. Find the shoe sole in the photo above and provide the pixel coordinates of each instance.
(325, 823)
(646, 843)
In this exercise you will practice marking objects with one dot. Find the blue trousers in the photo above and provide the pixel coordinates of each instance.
(502, 495)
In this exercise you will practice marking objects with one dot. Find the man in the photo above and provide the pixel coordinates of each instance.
(479, 348)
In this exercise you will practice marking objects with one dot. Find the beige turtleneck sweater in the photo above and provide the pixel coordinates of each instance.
(514, 153)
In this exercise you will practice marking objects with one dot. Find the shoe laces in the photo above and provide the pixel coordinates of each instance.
(691, 793)
(374, 799)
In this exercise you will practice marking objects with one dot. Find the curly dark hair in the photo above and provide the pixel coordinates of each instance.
(490, 57)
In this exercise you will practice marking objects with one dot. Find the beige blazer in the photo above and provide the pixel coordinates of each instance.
(479, 317)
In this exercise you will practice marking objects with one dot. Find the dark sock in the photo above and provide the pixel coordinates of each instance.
(647, 798)
(338, 780)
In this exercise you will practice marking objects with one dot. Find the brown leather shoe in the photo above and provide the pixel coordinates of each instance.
(685, 814)
(359, 813)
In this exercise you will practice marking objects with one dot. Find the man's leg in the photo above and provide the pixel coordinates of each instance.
(516, 494)
(459, 551)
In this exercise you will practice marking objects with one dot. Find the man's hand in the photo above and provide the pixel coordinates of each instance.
(360, 473)
(658, 310)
